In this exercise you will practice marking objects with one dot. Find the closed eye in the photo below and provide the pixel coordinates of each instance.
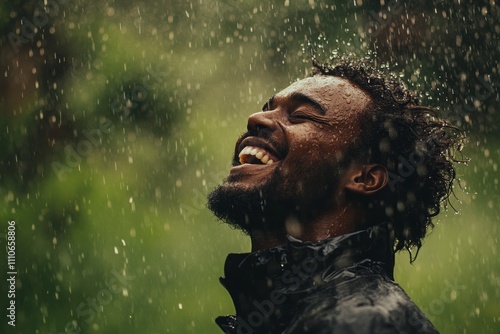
(302, 115)
(299, 115)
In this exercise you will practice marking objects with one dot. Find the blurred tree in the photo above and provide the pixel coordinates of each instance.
(116, 119)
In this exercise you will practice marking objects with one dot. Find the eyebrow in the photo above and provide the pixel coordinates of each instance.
(267, 105)
(300, 98)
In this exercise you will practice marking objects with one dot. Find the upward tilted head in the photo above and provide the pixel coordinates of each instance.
(336, 152)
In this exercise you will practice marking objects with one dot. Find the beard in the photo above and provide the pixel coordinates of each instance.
(244, 208)
(269, 205)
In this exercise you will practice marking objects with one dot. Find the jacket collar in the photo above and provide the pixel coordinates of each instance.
(267, 285)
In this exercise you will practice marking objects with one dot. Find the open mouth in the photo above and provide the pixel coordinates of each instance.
(255, 158)
(255, 151)
(255, 155)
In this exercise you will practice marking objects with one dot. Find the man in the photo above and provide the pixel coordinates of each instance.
(336, 173)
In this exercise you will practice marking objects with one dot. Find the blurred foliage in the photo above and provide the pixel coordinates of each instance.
(117, 119)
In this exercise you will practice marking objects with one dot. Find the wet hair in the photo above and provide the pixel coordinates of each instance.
(416, 146)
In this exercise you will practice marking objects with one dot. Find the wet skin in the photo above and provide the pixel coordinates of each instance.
(305, 128)
(298, 142)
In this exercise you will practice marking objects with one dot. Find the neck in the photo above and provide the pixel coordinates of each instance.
(320, 227)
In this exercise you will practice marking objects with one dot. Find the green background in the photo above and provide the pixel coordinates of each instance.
(117, 118)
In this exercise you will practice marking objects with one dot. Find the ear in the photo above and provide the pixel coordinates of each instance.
(366, 179)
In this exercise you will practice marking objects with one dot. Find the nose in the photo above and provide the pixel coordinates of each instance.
(261, 123)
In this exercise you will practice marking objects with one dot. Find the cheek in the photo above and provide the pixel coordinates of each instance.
(308, 165)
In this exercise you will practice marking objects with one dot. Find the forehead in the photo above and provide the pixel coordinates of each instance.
(334, 93)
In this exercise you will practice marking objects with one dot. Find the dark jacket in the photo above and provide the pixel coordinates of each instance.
(340, 285)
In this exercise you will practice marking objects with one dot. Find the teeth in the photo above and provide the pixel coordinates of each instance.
(258, 152)
(246, 150)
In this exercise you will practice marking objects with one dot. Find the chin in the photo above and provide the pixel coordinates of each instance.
(242, 205)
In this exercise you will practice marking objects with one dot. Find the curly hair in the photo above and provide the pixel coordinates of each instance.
(416, 146)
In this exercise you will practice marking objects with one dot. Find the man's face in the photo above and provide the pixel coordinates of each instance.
(290, 160)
